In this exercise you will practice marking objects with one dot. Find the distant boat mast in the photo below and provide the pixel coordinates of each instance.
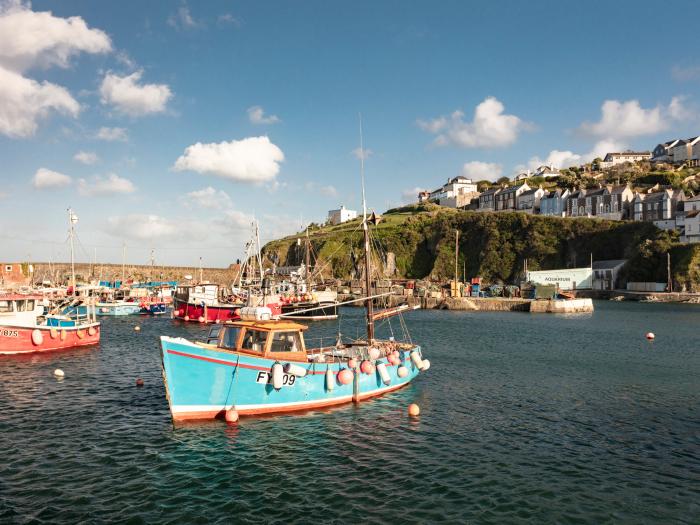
(368, 264)
(72, 220)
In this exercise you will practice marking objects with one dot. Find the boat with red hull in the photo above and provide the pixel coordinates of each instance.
(212, 303)
(24, 329)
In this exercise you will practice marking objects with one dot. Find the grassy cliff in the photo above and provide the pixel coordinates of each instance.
(495, 245)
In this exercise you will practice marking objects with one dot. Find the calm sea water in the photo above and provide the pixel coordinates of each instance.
(525, 418)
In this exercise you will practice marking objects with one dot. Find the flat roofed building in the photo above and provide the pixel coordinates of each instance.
(341, 215)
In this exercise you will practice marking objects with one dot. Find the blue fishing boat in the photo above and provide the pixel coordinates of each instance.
(260, 364)
(153, 308)
(117, 308)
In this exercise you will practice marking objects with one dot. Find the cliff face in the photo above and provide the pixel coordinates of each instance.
(491, 245)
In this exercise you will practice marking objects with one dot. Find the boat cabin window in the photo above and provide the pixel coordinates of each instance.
(20, 306)
(30, 305)
(229, 337)
(285, 342)
(254, 340)
(5, 306)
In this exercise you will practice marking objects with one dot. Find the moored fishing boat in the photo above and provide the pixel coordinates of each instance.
(117, 308)
(260, 364)
(208, 303)
(25, 329)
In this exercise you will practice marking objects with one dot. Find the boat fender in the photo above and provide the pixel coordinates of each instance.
(277, 376)
(92, 331)
(104, 310)
(80, 334)
(415, 357)
(330, 380)
(352, 363)
(345, 376)
(366, 367)
(374, 354)
(176, 313)
(54, 333)
(396, 354)
(384, 373)
(187, 318)
(63, 335)
(37, 337)
(296, 370)
(426, 365)
(201, 319)
(402, 371)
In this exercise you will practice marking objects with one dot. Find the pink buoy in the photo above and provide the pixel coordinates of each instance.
(396, 354)
(92, 330)
(345, 376)
(201, 319)
(366, 367)
(650, 336)
(374, 354)
(352, 363)
(139, 382)
(187, 318)
(231, 415)
(217, 321)
(402, 371)
(413, 410)
(37, 337)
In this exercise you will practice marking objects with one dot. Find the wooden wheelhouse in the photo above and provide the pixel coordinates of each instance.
(276, 340)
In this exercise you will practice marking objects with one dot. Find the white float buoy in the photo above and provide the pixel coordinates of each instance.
(384, 373)
(137, 328)
(374, 354)
(330, 380)
(59, 373)
(402, 371)
(415, 357)
(291, 368)
(277, 376)
(37, 337)
(650, 336)
(231, 415)
(426, 365)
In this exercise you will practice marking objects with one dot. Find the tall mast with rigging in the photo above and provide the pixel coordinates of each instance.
(72, 220)
(365, 230)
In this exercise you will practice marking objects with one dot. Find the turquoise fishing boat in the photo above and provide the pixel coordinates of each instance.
(260, 364)
(117, 308)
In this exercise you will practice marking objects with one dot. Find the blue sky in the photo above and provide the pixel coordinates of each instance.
(272, 91)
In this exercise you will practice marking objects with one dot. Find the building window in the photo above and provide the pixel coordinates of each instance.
(8, 268)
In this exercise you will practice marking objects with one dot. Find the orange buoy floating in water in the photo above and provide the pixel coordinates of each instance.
(59, 373)
(413, 410)
(650, 336)
(187, 318)
(231, 415)
(139, 382)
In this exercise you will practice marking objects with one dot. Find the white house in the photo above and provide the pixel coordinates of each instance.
(547, 172)
(554, 203)
(529, 201)
(507, 198)
(455, 193)
(613, 159)
(341, 215)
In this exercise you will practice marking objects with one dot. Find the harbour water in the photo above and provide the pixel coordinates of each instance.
(525, 418)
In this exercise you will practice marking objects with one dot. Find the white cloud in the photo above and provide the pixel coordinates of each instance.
(131, 98)
(490, 127)
(253, 159)
(149, 227)
(685, 73)
(207, 198)
(112, 134)
(108, 185)
(183, 19)
(45, 178)
(228, 18)
(566, 159)
(411, 195)
(328, 191)
(362, 154)
(30, 38)
(621, 120)
(256, 114)
(477, 170)
(23, 102)
(235, 222)
(86, 157)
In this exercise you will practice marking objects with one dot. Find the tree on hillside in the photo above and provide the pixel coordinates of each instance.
(503, 180)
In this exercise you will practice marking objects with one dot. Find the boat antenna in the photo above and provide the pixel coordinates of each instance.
(72, 220)
(368, 264)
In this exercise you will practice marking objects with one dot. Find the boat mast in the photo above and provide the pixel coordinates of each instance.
(308, 262)
(368, 263)
(72, 219)
(123, 262)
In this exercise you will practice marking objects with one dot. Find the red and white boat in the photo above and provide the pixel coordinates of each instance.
(25, 329)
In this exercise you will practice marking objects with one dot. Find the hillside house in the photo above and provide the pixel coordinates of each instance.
(487, 199)
(575, 205)
(507, 198)
(687, 151)
(423, 196)
(691, 229)
(660, 207)
(547, 172)
(554, 203)
(664, 152)
(341, 215)
(529, 201)
(13, 275)
(613, 159)
(617, 203)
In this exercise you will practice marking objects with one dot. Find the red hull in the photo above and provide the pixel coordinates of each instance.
(19, 340)
(211, 314)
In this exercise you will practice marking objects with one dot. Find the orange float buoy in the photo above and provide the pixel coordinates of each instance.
(352, 363)
(413, 410)
(139, 382)
(650, 336)
(63, 335)
(53, 333)
(345, 376)
(402, 371)
(176, 313)
(201, 319)
(92, 331)
(187, 318)
(231, 415)
(80, 334)
(366, 367)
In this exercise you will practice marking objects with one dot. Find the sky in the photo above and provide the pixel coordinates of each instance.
(171, 126)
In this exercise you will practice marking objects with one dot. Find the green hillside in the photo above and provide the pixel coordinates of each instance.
(495, 245)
